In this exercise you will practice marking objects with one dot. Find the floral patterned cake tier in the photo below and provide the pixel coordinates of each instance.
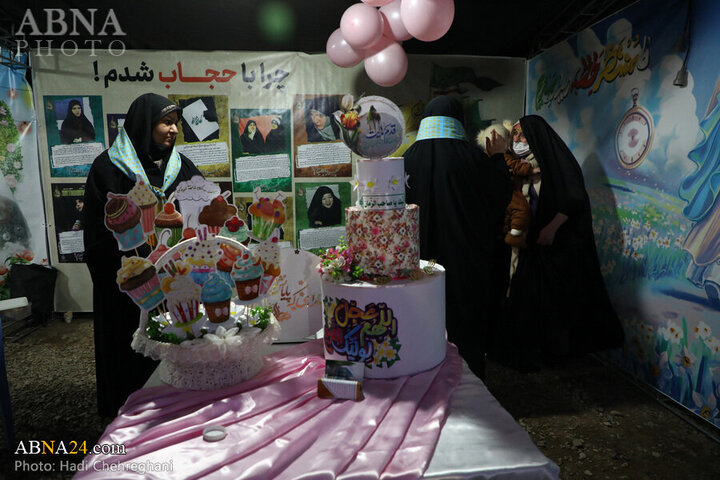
(385, 242)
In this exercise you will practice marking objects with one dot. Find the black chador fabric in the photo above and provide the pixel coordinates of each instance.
(119, 369)
(254, 144)
(275, 139)
(462, 194)
(74, 127)
(558, 303)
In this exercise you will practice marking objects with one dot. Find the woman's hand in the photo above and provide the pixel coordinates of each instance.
(547, 234)
(495, 144)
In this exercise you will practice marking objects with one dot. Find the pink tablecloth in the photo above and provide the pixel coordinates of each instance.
(277, 427)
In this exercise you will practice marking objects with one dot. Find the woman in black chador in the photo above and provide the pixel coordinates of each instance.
(150, 129)
(252, 140)
(462, 194)
(325, 208)
(76, 127)
(558, 304)
(275, 139)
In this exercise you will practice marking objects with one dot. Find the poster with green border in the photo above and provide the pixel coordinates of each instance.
(261, 149)
(75, 136)
(322, 233)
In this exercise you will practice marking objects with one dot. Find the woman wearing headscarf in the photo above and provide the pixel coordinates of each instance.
(144, 148)
(76, 127)
(325, 208)
(318, 122)
(558, 304)
(252, 140)
(275, 139)
(462, 194)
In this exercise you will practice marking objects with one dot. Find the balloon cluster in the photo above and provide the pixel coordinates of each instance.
(374, 34)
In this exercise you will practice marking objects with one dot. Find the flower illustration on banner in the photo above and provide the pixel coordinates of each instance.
(706, 406)
(713, 344)
(702, 330)
(685, 360)
(356, 183)
(11, 161)
(371, 184)
(348, 119)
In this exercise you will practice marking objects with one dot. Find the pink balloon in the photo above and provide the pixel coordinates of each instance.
(386, 63)
(376, 3)
(340, 52)
(394, 27)
(361, 25)
(427, 20)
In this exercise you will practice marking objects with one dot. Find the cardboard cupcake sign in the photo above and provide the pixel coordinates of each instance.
(169, 220)
(146, 201)
(236, 229)
(267, 214)
(269, 253)
(192, 196)
(138, 278)
(216, 214)
(194, 282)
(122, 218)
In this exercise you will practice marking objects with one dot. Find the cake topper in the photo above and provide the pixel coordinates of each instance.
(372, 127)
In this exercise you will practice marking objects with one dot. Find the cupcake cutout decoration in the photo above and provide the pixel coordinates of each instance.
(216, 214)
(138, 278)
(247, 273)
(122, 218)
(236, 229)
(267, 214)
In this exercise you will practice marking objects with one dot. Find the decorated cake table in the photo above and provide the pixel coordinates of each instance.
(277, 427)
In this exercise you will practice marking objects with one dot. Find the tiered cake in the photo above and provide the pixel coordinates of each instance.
(393, 318)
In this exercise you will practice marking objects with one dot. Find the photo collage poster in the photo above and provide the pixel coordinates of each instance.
(261, 150)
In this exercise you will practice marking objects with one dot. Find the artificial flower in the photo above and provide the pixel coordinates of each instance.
(222, 338)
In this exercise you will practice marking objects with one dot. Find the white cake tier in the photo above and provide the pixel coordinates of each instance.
(385, 242)
(381, 183)
(395, 329)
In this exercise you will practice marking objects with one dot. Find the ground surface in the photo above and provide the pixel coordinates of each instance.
(586, 416)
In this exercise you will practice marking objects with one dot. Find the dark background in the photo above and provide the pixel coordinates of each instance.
(520, 28)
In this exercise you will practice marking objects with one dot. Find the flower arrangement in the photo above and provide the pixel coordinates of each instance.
(339, 265)
(259, 318)
(348, 119)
